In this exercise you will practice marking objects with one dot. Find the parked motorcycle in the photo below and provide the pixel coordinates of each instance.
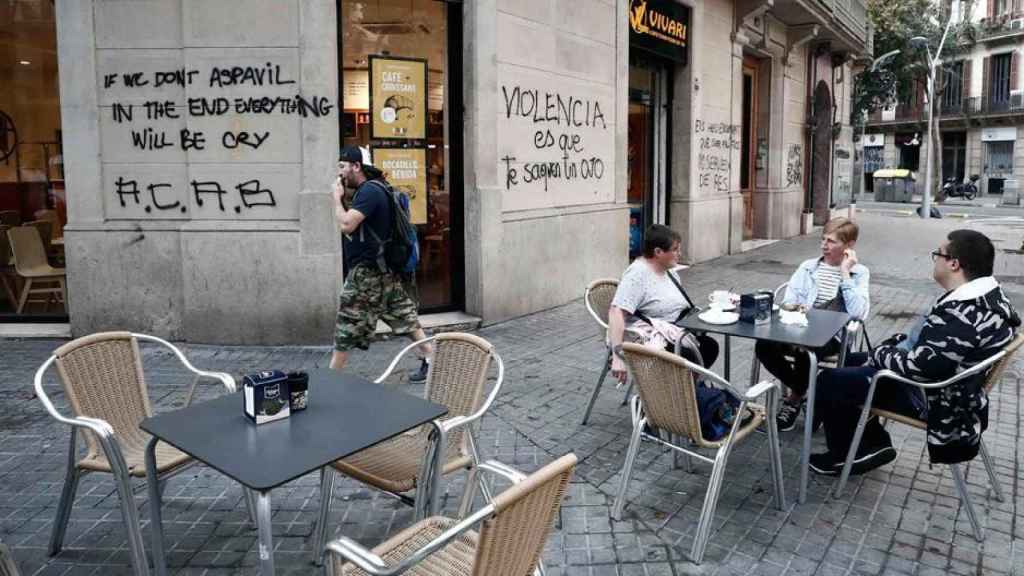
(953, 189)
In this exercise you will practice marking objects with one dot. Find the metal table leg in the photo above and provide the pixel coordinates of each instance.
(728, 360)
(155, 516)
(265, 550)
(805, 454)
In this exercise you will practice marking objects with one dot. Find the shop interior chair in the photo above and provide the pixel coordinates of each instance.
(7, 565)
(997, 363)
(514, 527)
(45, 228)
(31, 264)
(105, 388)
(10, 218)
(667, 401)
(418, 459)
(6, 270)
(598, 298)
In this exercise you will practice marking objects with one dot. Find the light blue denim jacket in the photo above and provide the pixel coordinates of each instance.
(803, 289)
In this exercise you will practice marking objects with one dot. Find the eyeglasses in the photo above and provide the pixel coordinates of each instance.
(936, 255)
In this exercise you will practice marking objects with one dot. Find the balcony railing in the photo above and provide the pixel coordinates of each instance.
(1000, 27)
(978, 106)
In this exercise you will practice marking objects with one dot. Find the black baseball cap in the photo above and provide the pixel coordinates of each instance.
(353, 154)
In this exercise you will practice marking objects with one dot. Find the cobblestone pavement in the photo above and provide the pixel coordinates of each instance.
(904, 518)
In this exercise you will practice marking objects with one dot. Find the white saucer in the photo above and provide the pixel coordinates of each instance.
(722, 307)
(716, 317)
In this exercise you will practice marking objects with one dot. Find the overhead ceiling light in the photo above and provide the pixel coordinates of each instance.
(24, 62)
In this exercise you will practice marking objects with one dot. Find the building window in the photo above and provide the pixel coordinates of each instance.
(1000, 158)
(953, 87)
(999, 82)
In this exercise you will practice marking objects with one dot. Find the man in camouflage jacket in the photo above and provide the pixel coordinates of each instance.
(968, 324)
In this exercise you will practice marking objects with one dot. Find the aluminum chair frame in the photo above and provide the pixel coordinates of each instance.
(768, 388)
(426, 500)
(373, 564)
(7, 565)
(958, 478)
(104, 432)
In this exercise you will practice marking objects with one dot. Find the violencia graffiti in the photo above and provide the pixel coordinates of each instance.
(145, 136)
(716, 142)
(794, 165)
(557, 149)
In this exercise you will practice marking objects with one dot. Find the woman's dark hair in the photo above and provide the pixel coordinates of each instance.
(974, 251)
(659, 236)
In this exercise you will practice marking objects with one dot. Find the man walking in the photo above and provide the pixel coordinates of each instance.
(969, 323)
(372, 291)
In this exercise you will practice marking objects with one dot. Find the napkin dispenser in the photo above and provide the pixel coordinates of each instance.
(266, 396)
(756, 308)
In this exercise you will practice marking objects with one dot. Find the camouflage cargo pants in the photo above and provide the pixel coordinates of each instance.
(369, 295)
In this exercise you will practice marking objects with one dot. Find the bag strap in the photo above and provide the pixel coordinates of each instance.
(690, 305)
(381, 264)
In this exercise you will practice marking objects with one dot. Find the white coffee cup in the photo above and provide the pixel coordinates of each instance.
(720, 298)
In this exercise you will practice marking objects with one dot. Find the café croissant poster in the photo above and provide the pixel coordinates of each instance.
(406, 170)
(398, 98)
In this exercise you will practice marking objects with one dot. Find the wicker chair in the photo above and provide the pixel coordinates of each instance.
(30, 263)
(7, 565)
(515, 527)
(106, 390)
(995, 365)
(456, 379)
(667, 400)
(598, 298)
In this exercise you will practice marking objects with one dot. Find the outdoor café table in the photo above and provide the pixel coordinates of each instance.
(345, 414)
(822, 325)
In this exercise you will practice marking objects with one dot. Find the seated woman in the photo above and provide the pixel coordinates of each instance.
(650, 299)
(833, 281)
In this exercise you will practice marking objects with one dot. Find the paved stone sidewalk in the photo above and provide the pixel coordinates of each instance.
(901, 519)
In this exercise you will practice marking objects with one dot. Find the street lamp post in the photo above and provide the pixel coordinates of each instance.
(926, 197)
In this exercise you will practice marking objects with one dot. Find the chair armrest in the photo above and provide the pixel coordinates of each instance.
(375, 565)
(399, 356)
(225, 379)
(504, 470)
(708, 374)
(977, 368)
(760, 388)
(100, 427)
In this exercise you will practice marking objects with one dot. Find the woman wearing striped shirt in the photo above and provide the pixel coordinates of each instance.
(833, 281)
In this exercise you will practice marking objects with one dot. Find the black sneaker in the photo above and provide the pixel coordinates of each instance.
(872, 458)
(825, 464)
(789, 413)
(420, 376)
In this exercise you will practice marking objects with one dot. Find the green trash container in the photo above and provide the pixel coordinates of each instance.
(894, 185)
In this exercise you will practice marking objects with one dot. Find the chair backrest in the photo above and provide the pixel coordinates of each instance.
(102, 378)
(45, 228)
(667, 390)
(27, 247)
(598, 298)
(780, 292)
(512, 540)
(996, 373)
(10, 217)
(457, 375)
(7, 565)
(5, 246)
(51, 217)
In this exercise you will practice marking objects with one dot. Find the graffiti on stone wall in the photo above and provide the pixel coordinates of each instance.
(142, 123)
(557, 149)
(794, 165)
(716, 142)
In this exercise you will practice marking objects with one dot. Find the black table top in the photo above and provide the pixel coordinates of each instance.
(345, 414)
(822, 325)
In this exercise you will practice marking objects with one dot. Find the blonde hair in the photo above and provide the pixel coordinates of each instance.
(846, 230)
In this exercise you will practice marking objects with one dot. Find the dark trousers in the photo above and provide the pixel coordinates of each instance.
(708, 350)
(841, 393)
(790, 364)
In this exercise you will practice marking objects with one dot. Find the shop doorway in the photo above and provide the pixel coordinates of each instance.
(647, 148)
(31, 163)
(420, 41)
(748, 135)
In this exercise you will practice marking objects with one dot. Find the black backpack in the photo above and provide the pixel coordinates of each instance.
(393, 254)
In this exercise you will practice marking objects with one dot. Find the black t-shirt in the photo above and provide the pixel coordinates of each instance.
(372, 200)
